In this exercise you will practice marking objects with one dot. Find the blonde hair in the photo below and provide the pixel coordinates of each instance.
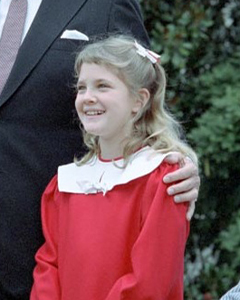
(153, 125)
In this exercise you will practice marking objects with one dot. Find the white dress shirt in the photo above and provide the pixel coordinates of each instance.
(33, 6)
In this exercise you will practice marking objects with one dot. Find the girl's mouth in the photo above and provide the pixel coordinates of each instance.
(94, 112)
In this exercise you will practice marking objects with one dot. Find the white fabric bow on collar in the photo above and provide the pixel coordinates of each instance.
(92, 187)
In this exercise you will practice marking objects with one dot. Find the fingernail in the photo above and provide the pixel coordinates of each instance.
(176, 198)
(170, 191)
(166, 179)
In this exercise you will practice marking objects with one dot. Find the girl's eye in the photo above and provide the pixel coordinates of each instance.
(81, 88)
(103, 86)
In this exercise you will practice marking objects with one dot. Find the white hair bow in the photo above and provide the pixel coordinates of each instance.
(152, 56)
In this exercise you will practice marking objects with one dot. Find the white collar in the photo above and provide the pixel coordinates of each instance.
(98, 176)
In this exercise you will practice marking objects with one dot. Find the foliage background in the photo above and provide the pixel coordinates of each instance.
(200, 46)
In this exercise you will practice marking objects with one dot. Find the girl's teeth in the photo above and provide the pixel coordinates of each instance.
(93, 113)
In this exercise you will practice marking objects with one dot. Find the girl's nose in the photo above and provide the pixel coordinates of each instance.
(89, 97)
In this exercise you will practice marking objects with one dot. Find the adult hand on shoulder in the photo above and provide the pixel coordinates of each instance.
(188, 181)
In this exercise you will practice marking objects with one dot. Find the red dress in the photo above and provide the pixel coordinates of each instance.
(125, 244)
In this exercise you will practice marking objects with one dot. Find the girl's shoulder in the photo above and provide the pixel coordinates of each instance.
(146, 160)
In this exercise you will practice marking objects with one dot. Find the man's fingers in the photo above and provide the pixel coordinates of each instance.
(188, 170)
(186, 197)
(184, 186)
(188, 182)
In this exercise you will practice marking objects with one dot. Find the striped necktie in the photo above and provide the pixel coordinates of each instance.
(11, 38)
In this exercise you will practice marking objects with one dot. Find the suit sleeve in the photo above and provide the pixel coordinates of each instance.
(126, 17)
(46, 282)
(158, 253)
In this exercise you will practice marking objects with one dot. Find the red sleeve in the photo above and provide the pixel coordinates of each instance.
(46, 282)
(158, 253)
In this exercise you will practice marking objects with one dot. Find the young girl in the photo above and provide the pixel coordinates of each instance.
(111, 230)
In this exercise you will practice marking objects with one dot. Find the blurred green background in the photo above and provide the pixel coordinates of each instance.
(200, 46)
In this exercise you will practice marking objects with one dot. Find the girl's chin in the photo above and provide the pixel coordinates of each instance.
(92, 131)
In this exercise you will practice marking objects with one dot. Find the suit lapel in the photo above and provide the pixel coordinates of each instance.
(41, 35)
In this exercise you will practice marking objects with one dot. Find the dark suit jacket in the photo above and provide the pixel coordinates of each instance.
(37, 132)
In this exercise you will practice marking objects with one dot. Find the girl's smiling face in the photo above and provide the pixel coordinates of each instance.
(104, 103)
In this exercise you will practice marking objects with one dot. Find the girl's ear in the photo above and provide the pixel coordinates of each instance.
(141, 100)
